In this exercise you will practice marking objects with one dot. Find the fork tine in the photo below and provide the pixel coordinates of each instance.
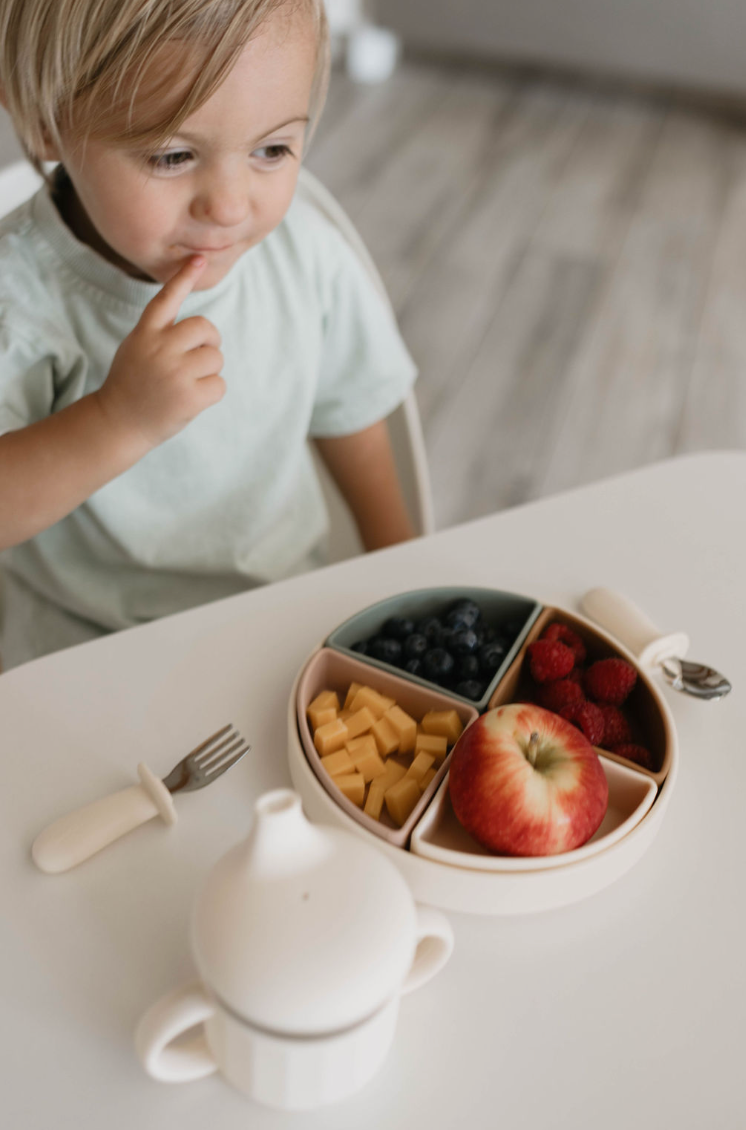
(209, 741)
(206, 753)
(224, 750)
(217, 770)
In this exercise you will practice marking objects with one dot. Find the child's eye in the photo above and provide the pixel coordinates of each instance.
(272, 154)
(169, 162)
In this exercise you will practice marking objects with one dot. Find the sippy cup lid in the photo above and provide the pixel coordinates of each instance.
(303, 929)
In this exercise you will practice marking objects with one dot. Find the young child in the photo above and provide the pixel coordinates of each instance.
(174, 325)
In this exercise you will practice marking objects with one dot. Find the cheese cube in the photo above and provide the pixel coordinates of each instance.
(374, 802)
(420, 766)
(405, 726)
(445, 722)
(434, 744)
(401, 799)
(323, 709)
(353, 787)
(339, 762)
(392, 773)
(351, 692)
(385, 736)
(366, 696)
(330, 737)
(425, 781)
(365, 757)
(359, 722)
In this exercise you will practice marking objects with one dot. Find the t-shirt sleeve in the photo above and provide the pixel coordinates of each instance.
(26, 380)
(366, 370)
(39, 371)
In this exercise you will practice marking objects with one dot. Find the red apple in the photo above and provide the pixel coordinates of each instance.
(524, 781)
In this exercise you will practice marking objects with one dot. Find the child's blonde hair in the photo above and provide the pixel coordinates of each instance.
(76, 66)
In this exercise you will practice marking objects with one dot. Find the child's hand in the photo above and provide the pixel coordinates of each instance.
(163, 375)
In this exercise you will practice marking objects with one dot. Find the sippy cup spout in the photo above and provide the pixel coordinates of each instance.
(281, 840)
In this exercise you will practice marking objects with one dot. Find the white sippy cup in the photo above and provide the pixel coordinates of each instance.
(304, 937)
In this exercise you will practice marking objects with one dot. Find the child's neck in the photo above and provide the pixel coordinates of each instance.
(77, 220)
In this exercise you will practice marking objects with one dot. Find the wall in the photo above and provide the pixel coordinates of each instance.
(692, 43)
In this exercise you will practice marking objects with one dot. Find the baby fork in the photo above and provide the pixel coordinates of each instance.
(80, 834)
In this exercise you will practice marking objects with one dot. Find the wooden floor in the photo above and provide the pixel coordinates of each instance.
(568, 265)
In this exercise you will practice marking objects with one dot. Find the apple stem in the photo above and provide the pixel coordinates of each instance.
(533, 747)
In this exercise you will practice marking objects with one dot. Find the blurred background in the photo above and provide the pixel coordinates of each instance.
(555, 194)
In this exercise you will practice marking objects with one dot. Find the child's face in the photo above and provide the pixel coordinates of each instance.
(221, 185)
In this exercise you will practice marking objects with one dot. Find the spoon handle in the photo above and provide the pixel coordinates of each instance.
(623, 619)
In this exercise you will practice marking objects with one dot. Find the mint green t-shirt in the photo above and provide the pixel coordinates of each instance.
(311, 349)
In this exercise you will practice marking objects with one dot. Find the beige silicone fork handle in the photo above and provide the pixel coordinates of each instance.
(82, 833)
(620, 616)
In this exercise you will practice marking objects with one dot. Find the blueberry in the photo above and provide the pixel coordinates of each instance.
(467, 667)
(416, 645)
(414, 666)
(431, 628)
(463, 642)
(361, 647)
(397, 628)
(463, 614)
(491, 656)
(437, 664)
(470, 688)
(387, 650)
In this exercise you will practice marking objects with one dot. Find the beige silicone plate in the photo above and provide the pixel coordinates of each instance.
(504, 889)
(440, 837)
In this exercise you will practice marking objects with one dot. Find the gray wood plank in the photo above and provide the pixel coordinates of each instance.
(629, 378)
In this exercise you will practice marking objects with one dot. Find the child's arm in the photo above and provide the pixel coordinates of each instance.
(362, 466)
(162, 376)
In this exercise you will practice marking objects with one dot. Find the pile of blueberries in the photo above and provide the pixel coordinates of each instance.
(458, 650)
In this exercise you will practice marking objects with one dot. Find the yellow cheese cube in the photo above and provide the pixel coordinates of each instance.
(425, 781)
(331, 737)
(445, 722)
(405, 726)
(401, 799)
(353, 787)
(365, 757)
(392, 773)
(420, 766)
(366, 696)
(359, 722)
(351, 692)
(339, 762)
(434, 744)
(385, 736)
(374, 801)
(323, 709)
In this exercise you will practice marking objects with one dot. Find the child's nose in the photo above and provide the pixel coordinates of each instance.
(222, 202)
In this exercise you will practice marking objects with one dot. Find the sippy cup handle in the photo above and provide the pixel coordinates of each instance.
(168, 1018)
(434, 947)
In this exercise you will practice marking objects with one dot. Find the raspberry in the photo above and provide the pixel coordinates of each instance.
(549, 661)
(565, 635)
(564, 692)
(588, 718)
(609, 681)
(576, 676)
(636, 753)
(616, 726)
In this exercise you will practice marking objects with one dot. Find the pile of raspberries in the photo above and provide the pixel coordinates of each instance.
(589, 697)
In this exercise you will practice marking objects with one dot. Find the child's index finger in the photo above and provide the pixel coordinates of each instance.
(163, 310)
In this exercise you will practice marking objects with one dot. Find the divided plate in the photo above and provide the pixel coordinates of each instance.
(444, 867)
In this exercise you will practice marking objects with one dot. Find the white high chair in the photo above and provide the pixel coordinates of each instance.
(20, 180)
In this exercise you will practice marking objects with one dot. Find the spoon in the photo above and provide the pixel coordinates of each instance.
(620, 616)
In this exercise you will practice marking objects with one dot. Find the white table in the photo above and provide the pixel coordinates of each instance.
(625, 1010)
